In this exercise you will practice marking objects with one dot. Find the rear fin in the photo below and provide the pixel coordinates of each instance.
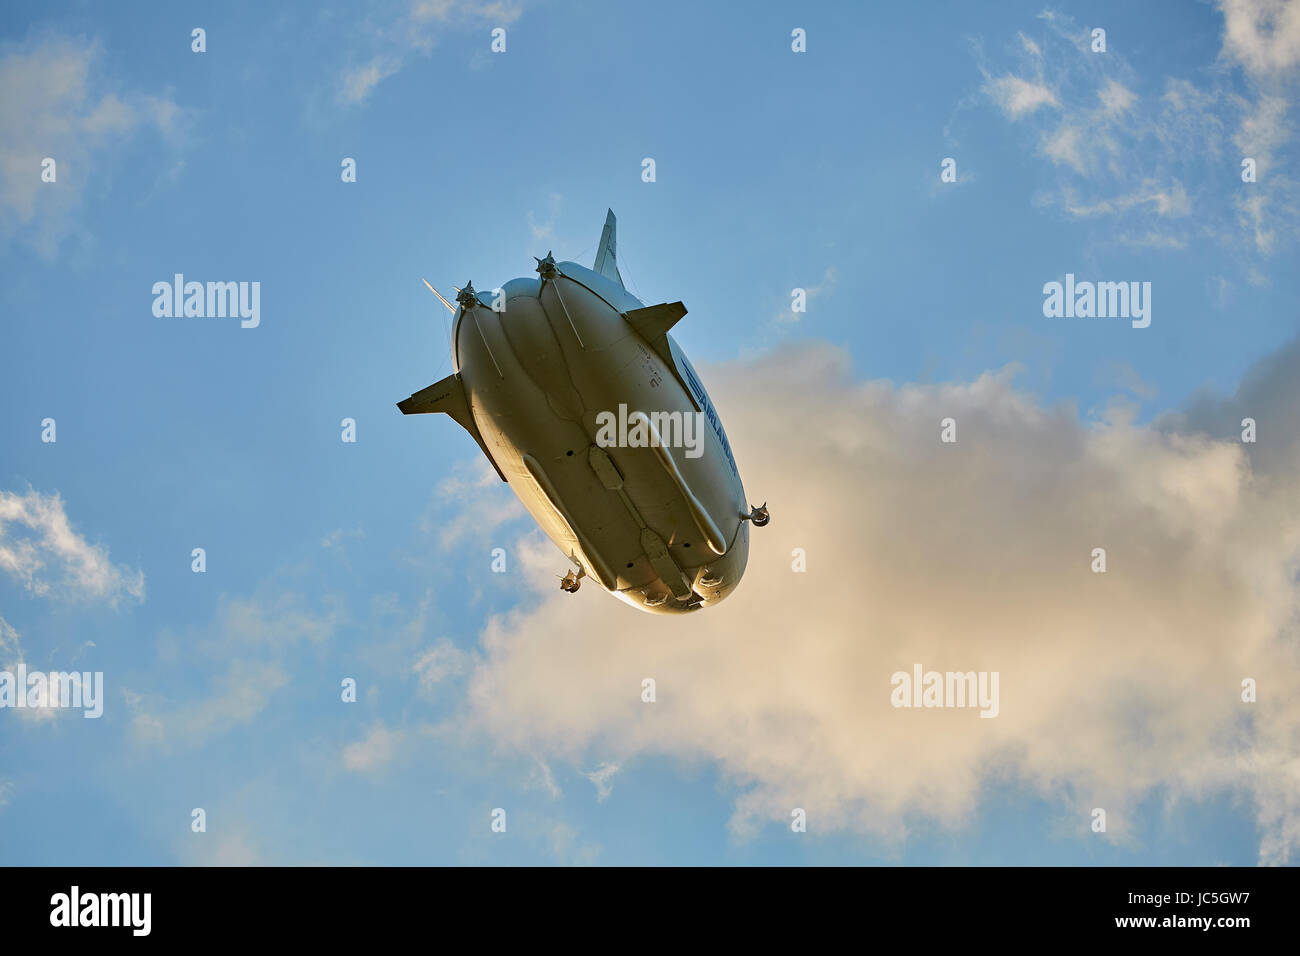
(654, 320)
(607, 252)
(448, 397)
(653, 323)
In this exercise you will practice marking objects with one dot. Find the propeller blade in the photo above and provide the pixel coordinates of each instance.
(450, 308)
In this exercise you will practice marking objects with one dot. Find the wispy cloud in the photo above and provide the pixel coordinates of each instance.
(400, 31)
(258, 642)
(1166, 201)
(41, 550)
(541, 777)
(372, 752)
(544, 231)
(1017, 96)
(469, 505)
(56, 106)
(785, 314)
(440, 662)
(1262, 35)
(603, 777)
(567, 846)
(1116, 97)
(227, 848)
(11, 648)
(1101, 135)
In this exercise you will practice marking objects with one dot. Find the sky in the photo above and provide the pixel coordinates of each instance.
(774, 170)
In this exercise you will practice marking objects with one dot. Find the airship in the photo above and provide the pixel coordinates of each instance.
(583, 402)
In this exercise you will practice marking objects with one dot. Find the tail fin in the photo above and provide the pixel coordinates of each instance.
(448, 397)
(606, 252)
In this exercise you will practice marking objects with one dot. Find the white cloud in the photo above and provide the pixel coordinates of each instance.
(1270, 203)
(54, 106)
(334, 540)
(602, 777)
(359, 82)
(543, 232)
(1104, 136)
(272, 622)
(1262, 35)
(223, 848)
(413, 28)
(443, 11)
(470, 504)
(1151, 240)
(785, 315)
(1065, 145)
(373, 751)
(1263, 131)
(439, 662)
(542, 778)
(966, 556)
(566, 845)
(235, 697)
(1116, 97)
(1114, 374)
(11, 648)
(1019, 97)
(40, 549)
(1168, 201)
(258, 640)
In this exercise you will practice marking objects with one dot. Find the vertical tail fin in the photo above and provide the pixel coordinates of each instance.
(606, 252)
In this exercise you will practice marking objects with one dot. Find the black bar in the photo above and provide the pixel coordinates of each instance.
(925, 904)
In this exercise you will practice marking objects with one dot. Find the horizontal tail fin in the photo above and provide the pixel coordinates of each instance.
(448, 397)
(654, 320)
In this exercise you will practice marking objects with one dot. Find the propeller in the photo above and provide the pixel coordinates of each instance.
(467, 297)
(450, 307)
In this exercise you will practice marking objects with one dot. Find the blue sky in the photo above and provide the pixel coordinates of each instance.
(774, 170)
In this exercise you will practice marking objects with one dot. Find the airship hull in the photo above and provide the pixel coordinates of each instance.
(657, 514)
